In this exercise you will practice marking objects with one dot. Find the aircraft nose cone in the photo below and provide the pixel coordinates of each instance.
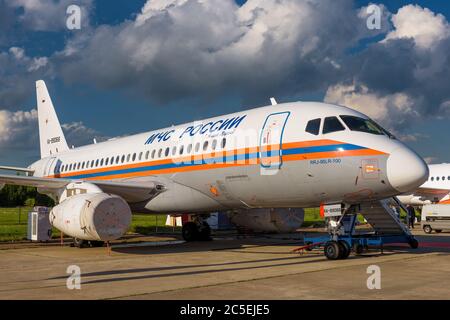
(406, 171)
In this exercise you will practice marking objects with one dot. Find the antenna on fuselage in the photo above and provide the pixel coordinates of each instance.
(273, 101)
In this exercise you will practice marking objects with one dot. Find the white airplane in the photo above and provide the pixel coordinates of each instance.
(435, 190)
(290, 155)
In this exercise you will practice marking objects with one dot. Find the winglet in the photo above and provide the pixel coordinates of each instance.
(52, 140)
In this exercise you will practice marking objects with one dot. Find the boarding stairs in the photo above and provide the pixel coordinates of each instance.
(383, 218)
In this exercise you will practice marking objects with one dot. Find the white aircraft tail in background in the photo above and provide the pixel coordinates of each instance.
(51, 136)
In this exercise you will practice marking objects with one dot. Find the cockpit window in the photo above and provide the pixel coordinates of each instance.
(364, 125)
(313, 126)
(332, 124)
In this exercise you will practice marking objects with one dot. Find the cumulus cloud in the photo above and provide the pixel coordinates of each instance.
(420, 24)
(176, 49)
(18, 73)
(405, 77)
(394, 110)
(19, 131)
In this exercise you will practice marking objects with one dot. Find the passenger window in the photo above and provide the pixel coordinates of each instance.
(166, 153)
(92, 163)
(189, 148)
(128, 157)
(174, 150)
(181, 149)
(78, 166)
(123, 159)
(140, 156)
(224, 142)
(197, 146)
(106, 161)
(313, 126)
(332, 124)
(147, 154)
(214, 144)
(153, 153)
(205, 145)
(134, 157)
(101, 163)
(160, 153)
(82, 165)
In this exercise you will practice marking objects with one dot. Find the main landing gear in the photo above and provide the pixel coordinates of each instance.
(79, 243)
(197, 230)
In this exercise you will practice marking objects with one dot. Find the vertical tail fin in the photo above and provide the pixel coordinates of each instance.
(51, 136)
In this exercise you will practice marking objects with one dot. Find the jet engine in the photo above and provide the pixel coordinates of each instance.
(92, 216)
(270, 220)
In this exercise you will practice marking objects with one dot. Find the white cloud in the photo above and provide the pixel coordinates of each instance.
(19, 131)
(179, 49)
(392, 110)
(421, 24)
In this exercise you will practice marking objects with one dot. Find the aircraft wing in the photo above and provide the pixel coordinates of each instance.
(130, 191)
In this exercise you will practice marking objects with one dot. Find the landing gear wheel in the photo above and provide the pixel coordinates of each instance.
(97, 244)
(80, 243)
(358, 248)
(427, 229)
(438, 231)
(190, 231)
(332, 250)
(345, 249)
(204, 232)
(413, 243)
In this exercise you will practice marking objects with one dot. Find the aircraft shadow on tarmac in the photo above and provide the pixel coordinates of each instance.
(256, 246)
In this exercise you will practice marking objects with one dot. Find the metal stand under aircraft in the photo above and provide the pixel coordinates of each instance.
(342, 238)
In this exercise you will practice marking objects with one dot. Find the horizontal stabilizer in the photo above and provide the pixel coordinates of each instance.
(17, 169)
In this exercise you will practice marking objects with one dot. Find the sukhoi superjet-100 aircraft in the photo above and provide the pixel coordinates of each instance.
(283, 156)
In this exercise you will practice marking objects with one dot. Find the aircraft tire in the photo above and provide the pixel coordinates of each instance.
(345, 249)
(190, 232)
(79, 243)
(332, 250)
(204, 233)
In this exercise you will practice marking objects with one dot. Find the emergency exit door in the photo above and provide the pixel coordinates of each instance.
(271, 140)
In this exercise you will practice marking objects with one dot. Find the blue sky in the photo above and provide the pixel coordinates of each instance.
(189, 60)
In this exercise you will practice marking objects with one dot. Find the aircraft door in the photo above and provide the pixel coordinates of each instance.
(48, 166)
(271, 140)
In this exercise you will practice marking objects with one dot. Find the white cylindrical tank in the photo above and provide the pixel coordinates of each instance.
(95, 216)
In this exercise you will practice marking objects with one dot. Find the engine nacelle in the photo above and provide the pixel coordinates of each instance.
(92, 216)
(272, 220)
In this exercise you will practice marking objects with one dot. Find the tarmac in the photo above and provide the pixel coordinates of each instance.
(229, 267)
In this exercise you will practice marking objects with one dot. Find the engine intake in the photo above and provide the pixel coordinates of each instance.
(92, 216)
